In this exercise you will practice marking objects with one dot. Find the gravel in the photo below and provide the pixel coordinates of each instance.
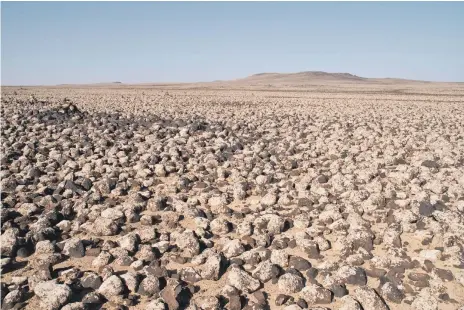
(331, 197)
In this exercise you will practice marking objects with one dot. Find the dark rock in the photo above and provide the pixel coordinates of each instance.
(430, 164)
(445, 275)
(23, 252)
(312, 249)
(428, 265)
(444, 297)
(322, 179)
(339, 290)
(3, 290)
(292, 243)
(299, 263)
(417, 276)
(376, 272)
(235, 303)
(92, 252)
(91, 280)
(426, 208)
(302, 303)
(391, 292)
(352, 275)
(281, 299)
(312, 273)
(259, 297)
(279, 244)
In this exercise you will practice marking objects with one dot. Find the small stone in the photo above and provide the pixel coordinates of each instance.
(190, 275)
(93, 252)
(312, 273)
(311, 248)
(290, 283)
(103, 259)
(105, 227)
(376, 272)
(129, 242)
(207, 302)
(299, 263)
(339, 290)
(281, 299)
(265, 271)
(351, 275)
(235, 303)
(426, 208)
(131, 281)
(52, 295)
(11, 299)
(212, 267)
(91, 298)
(149, 286)
(428, 265)
(279, 257)
(259, 298)
(44, 247)
(445, 297)
(430, 164)
(422, 283)
(74, 248)
(189, 244)
(170, 293)
(349, 303)
(91, 280)
(9, 241)
(233, 248)
(316, 294)
(23, 252)
(302, 303)
(137, 265)
(241, 280)
(112, 286)
(445, 275)
(391, 292)
(417, 276)
(369, 299)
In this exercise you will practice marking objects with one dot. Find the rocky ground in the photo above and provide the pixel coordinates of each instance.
(329, 197)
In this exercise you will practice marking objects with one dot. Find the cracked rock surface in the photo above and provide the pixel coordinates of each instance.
(176, 197)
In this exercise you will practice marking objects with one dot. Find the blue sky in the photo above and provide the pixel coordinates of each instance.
(131, 42)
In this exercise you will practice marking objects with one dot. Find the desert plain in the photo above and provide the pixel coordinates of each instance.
(277, 191)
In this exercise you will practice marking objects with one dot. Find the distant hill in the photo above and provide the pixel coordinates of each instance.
(306, 75)
(273, 79)
(310, 77)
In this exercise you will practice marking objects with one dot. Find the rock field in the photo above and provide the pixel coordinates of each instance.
(172, 197)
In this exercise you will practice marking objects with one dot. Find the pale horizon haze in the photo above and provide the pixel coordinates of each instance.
(49, 43)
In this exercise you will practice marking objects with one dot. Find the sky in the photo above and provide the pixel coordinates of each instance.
(48, 43)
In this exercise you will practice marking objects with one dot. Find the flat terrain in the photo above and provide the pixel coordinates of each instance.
(308, 190)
